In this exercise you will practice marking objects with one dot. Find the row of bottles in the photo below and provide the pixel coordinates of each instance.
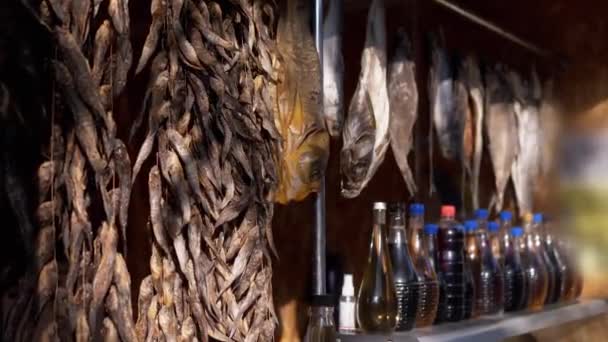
(420, 274)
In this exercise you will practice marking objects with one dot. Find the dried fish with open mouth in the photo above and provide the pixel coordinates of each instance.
(403, 96)
(305, 147)
(525, 169)
(365, 134)
(333, 69)
(501, 130)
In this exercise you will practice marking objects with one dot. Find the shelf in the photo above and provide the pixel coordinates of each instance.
(493, 328)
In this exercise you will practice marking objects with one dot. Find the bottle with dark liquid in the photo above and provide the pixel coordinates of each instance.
(376, 301)
(430, 241)
(505, 224)
(558, 262)
(471, 270)
(515, 286)
(450, 240)
(404, 272)
(536, 273)
(491, 282)
(428, 287)
(552, 277)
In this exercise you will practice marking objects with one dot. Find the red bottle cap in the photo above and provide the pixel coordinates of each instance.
(448, 211)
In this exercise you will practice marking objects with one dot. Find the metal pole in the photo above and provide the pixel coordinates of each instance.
(319, 273)
(492, 27)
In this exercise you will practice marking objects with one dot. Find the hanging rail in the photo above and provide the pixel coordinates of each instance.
(319, 271)
(492, 27)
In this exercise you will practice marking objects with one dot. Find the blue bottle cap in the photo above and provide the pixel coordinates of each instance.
(470, 226)
(505, 215)
(493, 226)
(416, 209)
(517, 231)
(537, 218)
(431, 228)
(482, 214)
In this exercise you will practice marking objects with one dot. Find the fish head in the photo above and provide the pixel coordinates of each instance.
(358, 145)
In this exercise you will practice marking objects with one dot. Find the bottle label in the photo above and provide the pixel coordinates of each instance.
(347, 316)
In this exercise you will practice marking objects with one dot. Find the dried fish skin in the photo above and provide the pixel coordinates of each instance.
(476, 92)
(103, 275)
(369, 101)
(501, 130)
(403, 97)
(448, 119)
(333, 69)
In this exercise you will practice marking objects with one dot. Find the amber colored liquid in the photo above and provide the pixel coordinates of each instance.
(559, 268)
(473, 264)
(515, 285)
(536, 276)
(376, 302)
(428, 286)
(551, 273)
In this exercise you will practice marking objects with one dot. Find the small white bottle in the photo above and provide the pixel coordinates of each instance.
(347, 306)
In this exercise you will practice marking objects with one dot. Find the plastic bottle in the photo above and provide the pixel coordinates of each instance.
(450, 240)
(558, 261)
(515, 286)
(430, 241)
(496, 243)
(539, 243)
(536, 273)
(404, 272)
(428, 286)
(505, 229)
(346, 323)
(376, 301)
(491, 283)
(321, 327)
(471, 270)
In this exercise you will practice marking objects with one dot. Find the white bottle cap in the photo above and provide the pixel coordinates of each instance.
(348, 290)
(379, 205)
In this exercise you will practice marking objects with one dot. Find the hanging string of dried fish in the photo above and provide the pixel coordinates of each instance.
(77, 286)
(209, 107)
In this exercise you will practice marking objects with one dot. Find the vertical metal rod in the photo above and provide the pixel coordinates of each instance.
(319, 272)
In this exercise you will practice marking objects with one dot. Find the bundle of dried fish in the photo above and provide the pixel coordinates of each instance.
(501, 130)
(526, 167)
(403, 96)
(365, 134)
(209, 111)
(333, 69)
(305, 146)
(85, 285)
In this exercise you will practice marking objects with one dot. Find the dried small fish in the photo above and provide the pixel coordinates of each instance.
(173, 173)
(103, 275)
(501, 130)
(166, 318)
(103, 39)
(151, 41)
(403, 96)
(146, 148)
(115, 308)
(475, 90)
(109, 332)
(333, 69)
(123, 170)
(154, 188)
(366, 130)
(146, 294)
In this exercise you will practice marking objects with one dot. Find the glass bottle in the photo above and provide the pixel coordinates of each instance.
(376, 301)
(428, 287)
(321, 326)
(404, 272)
(450, 242)
(557, 260)
(536, 273)
(539, 243)
(515, 286)
(471, 270)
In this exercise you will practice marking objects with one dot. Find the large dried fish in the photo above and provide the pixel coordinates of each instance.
(366, 130)
(501, 130)
(475, 90)
(403, 97)
(525, 169)
(333, 69)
